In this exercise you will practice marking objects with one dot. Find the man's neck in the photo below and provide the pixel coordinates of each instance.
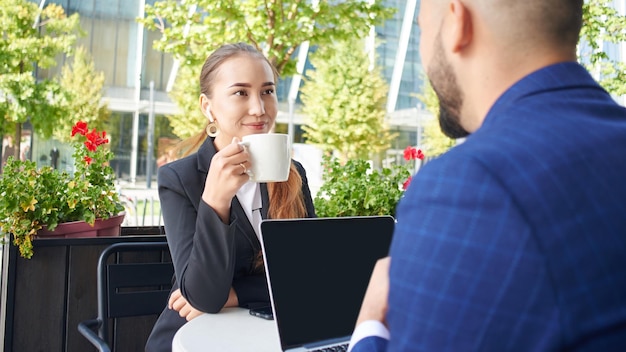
(491, 77)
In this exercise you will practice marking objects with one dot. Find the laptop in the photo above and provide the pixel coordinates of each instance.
(318, 270)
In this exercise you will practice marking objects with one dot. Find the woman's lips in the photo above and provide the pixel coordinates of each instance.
(256, 125)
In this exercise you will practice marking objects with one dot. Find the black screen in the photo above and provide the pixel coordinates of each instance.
(319, 270)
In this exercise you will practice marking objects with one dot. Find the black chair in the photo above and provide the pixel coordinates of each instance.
(128, 289)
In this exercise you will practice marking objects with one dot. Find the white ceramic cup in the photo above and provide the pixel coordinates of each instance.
(270, 156)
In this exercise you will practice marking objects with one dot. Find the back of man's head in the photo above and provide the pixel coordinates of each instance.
(529, 23)
(475, 49)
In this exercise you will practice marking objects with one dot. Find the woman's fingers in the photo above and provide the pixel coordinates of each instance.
(174, 297)
(193, 313)
(178, 303)
(228, 172)
(234, 159)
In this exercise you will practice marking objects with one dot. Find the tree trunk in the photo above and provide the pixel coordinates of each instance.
(17, 140)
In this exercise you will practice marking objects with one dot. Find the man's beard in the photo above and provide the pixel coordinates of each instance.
(444, 83)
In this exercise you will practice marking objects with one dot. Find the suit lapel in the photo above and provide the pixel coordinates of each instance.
(244, 224)
(265, 201)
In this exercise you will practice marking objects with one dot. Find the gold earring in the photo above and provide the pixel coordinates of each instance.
(211, 129)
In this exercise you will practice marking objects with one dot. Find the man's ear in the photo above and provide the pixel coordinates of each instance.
(461, 28)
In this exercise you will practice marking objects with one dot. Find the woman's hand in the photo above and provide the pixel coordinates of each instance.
(226, 175)
(179, 303)
(233, 300)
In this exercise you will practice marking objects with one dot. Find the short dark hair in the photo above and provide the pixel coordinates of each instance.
(559, 21)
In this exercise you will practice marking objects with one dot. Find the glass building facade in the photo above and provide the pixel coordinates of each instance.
(389, 38)
(112, 38)
(122, 50)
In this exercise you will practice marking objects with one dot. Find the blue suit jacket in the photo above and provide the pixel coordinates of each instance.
(515, 240)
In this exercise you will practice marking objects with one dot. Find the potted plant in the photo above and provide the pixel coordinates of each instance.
(34, 200)
(355, 189)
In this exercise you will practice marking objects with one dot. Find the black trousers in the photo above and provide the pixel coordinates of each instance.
(162, 335)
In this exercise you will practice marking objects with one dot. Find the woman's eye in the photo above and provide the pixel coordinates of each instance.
(268, 91)
(241, 93)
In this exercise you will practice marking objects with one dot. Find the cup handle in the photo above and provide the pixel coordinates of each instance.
(245, 145)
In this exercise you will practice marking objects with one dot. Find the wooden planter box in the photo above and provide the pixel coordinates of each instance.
(44, 298)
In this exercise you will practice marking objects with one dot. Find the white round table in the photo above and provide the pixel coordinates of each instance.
(232, 329)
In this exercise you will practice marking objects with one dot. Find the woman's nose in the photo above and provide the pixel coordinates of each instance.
(257, 107)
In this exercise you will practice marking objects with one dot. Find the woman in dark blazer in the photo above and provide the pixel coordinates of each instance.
(210, 210)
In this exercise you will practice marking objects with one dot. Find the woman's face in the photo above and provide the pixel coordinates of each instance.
(243, 98)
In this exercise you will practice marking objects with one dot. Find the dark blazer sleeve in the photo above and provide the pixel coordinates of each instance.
(202, 246)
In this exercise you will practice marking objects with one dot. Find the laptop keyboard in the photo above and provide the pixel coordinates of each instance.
(337, 348)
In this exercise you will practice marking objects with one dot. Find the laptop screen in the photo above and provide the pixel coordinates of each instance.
(318, 271)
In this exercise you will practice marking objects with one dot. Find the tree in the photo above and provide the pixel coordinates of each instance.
(32, 38)
(193, 28)
(344, 99)
(83, 86)
(185, 93)
(603, 24)
(435, 142)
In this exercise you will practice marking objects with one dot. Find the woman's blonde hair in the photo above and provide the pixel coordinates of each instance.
(286, 198)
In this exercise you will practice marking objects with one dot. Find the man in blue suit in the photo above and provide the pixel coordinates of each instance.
(514, 240)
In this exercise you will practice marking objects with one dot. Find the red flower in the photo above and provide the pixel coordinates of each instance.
(409, 153)
(420, 155)
(406, 183)
(91, 146)
(103, 139)
(80, 127)
(87, 160)
(92, 136)
(94, 140)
